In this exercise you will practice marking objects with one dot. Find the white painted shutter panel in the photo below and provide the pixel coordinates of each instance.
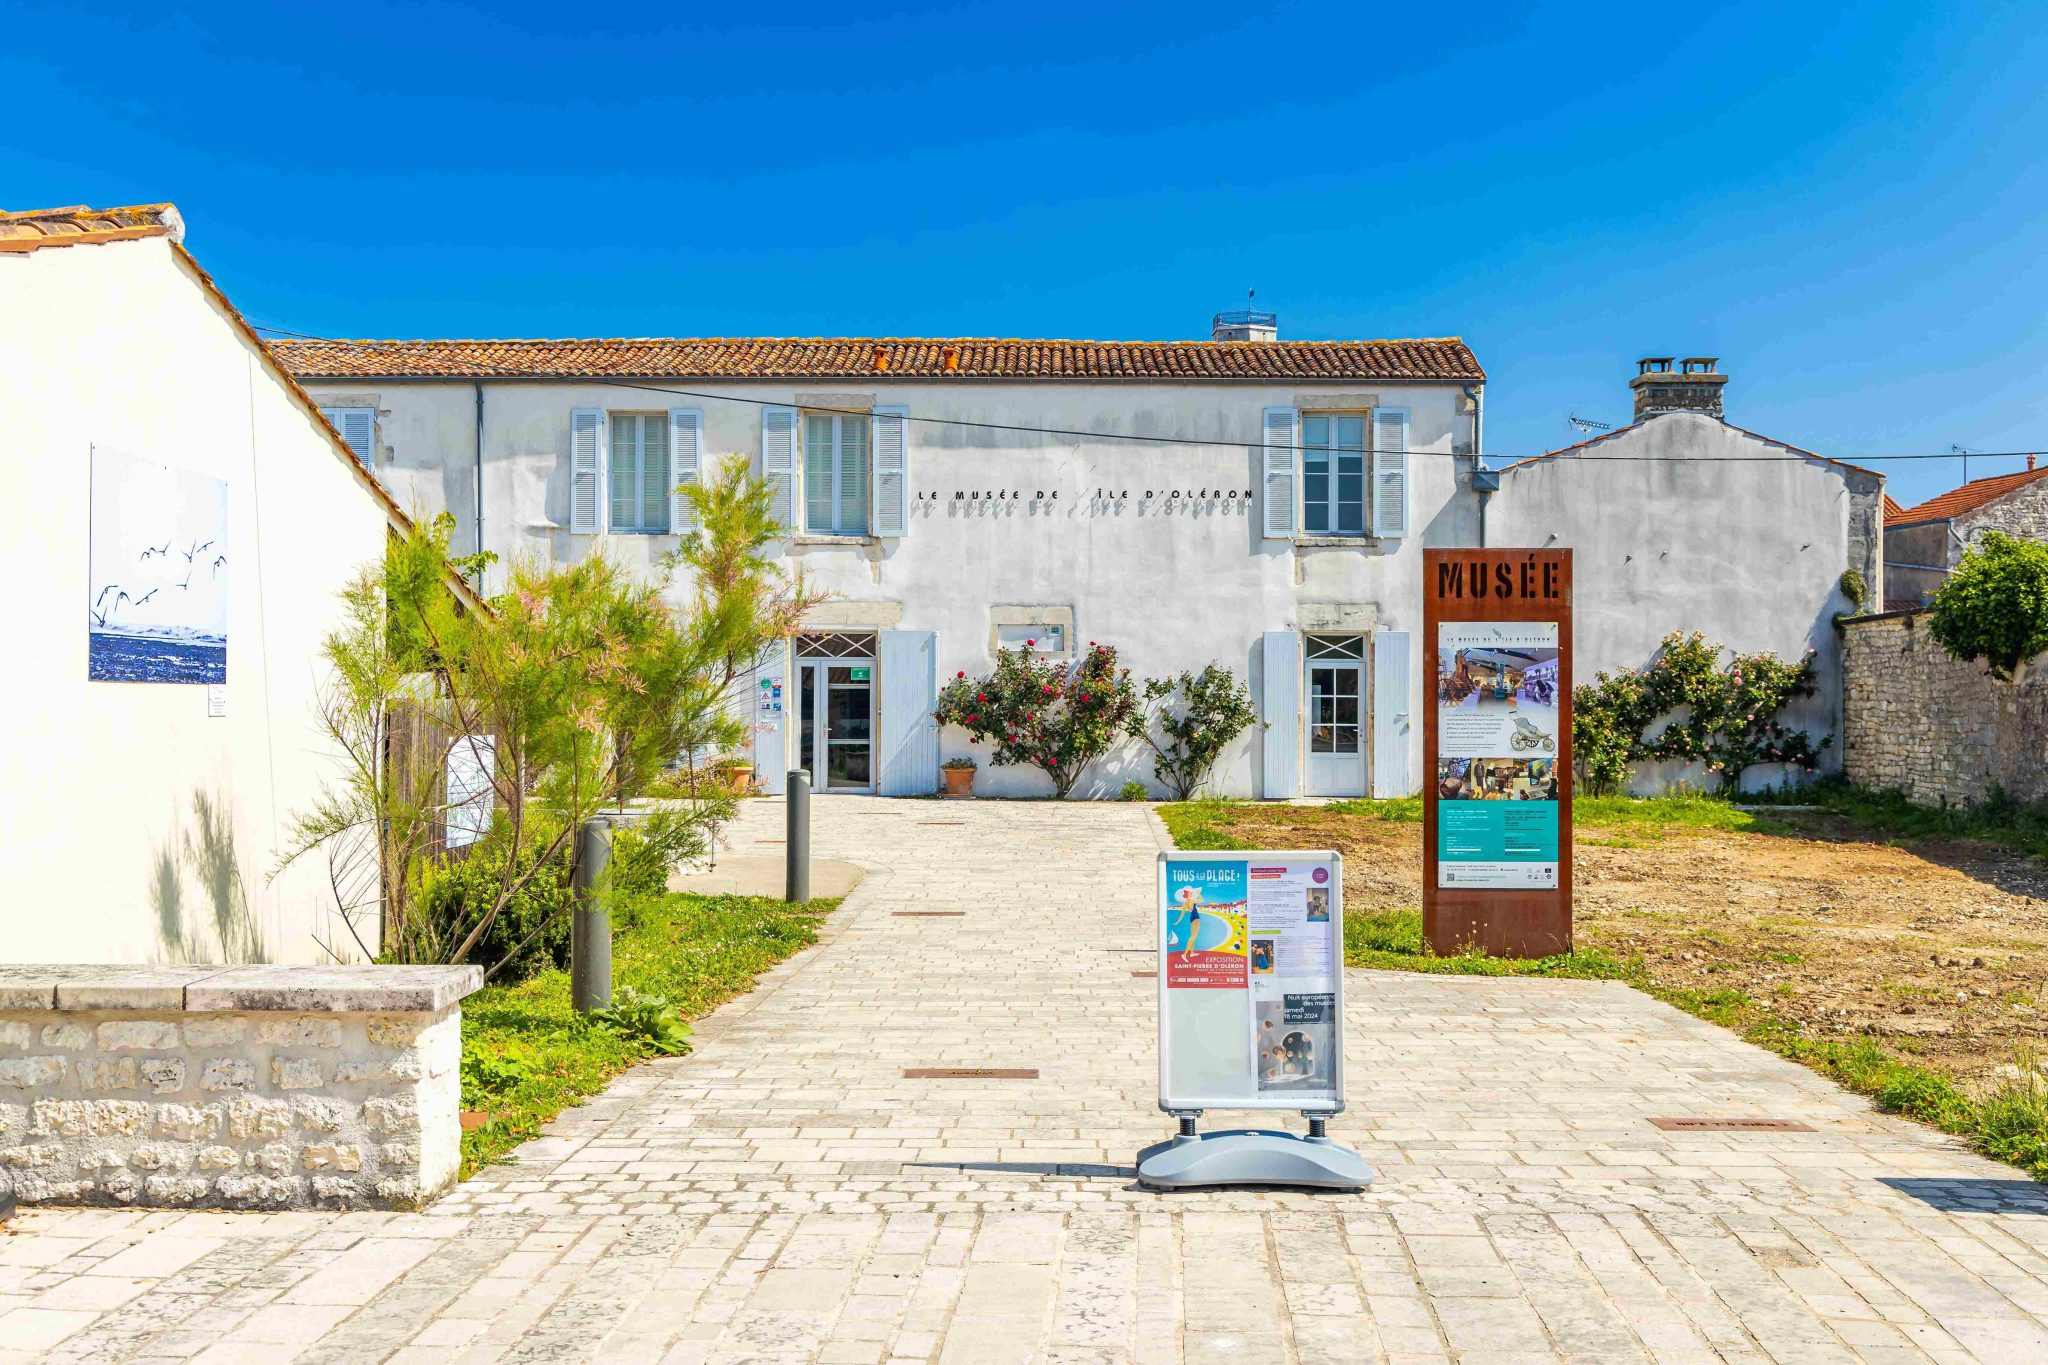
(586, 469)
(1280, 693)
(1281, 462)
(909, 663)
(778, 462)
(1393, 693)
(686, 464)
(358, 432)
(891, 472)
(1390, 472)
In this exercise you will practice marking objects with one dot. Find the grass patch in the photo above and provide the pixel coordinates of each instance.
(527, 1055)
(2010, 1124)
(1393, 939)
(1199, 824)
(1651, 816)
(1396, 810)
(1998, 820)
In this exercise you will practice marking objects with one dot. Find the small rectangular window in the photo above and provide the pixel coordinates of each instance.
(1041, 637)
(358, 428)
(640, 482)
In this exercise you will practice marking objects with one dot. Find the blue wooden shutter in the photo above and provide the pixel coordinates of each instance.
(908, 660)
(1393, 701)
(892, 470)
(586, 464)
(1280, 693)
(1390, 472)
(1281, 461)
(778, 462)
(686, 456)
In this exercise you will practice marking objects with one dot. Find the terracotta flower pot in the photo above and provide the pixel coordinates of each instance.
(959, 781)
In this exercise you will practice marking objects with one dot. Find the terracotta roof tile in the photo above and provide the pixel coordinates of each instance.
(1968, 498)
(1892, 511)
(75, 225)
(713, 358)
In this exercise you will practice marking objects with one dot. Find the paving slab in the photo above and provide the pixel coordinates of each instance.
(785, 1194)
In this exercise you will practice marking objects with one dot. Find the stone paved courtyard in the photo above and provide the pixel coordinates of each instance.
(784, 1194)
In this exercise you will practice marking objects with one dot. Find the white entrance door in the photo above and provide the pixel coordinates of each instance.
(1333, 700)
(836, 711)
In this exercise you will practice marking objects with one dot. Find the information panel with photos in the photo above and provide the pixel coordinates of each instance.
(1251, 984)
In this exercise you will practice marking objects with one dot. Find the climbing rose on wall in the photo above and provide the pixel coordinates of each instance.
(1044, 713)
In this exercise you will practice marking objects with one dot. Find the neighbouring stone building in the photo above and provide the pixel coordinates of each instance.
(1683, 521)
(1922, 544)
(1945, 732)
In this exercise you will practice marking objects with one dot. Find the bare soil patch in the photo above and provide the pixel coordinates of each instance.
(1938, 949)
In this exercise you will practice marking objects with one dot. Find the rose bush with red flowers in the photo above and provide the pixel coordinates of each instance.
(1053, 715)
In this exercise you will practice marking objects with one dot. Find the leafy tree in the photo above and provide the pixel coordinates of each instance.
(1054, 716)
(1995, 605)
(582, 684)
(1189, 719)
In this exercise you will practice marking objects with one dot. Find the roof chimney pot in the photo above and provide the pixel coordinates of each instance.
(1694, 386)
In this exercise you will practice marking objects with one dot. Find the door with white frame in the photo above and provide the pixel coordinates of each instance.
(1333, 702)
(835, 711)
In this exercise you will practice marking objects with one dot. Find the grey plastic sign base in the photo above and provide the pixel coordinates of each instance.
(1251, 1156)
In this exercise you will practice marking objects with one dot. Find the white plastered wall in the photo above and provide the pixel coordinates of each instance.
(108, 857)
(1173, 582)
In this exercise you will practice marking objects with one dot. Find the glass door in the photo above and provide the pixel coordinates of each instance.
(836, 716)
(1334, 699)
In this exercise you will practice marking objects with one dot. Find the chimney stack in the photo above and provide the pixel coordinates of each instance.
(1245, 325)
(1695, 386)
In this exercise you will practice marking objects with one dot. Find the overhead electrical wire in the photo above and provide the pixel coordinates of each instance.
(1204, 443)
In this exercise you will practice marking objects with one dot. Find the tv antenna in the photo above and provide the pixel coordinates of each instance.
(1966, 453)
(1586, 426)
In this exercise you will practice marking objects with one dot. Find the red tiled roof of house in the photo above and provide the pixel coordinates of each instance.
(76, 225)
(1892, 511)
(713, 358)
(1968, 498)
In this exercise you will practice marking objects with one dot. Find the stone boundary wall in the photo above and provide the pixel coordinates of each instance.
(238, 1088)
(1942, 731)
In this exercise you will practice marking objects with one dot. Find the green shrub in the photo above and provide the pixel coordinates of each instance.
(530, 934)
(1995, 605)
(650, 1020)
(1854, 587)
(1042, 713)
(1195, 717)
(1133, 790)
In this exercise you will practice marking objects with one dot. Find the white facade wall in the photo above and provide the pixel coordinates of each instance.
(108, 857)
(1175, 582)
(1686, 523)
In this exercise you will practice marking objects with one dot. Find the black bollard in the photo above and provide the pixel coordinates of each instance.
(796, 882)
(590, 923)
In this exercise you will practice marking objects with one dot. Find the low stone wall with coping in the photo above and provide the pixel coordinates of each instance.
(231, 1087)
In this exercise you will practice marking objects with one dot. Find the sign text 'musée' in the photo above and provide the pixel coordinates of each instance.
(1531, 579)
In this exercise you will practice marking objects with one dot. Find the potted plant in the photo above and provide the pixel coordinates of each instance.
(959, 776)
(733, 773)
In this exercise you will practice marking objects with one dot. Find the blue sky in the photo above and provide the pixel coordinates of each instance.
(1847, 204)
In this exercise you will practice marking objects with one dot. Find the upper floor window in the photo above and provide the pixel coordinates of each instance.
(641, 487)
(1333, 489)
(358, 428)
(836, 471)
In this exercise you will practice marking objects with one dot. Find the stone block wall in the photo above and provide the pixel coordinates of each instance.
(255, 1098)
(1942, 731)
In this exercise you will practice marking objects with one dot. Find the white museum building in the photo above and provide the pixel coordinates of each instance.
(180, 522)
(1257, 503)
